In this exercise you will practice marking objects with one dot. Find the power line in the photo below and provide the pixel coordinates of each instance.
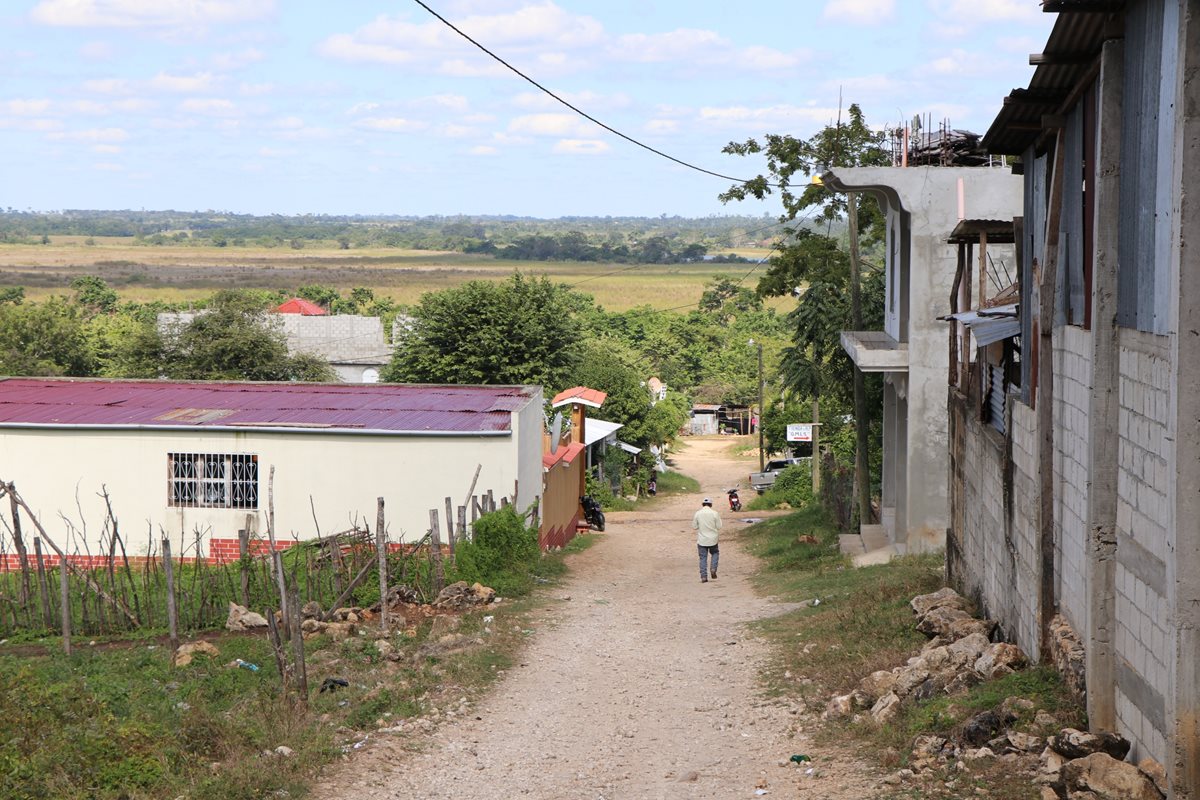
(579, 111)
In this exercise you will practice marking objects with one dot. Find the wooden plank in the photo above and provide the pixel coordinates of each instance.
(172, 619)
(435, 552)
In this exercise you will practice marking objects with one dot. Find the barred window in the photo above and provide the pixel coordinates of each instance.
(212, 480)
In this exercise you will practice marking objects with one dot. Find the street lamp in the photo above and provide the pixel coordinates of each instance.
(762, 462)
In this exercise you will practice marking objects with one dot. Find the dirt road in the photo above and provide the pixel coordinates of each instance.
(644, 684)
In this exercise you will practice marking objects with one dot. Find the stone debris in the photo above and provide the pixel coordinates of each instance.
(460, 595)
(310, 610)
(243, 619)
(1103, 777)
(1074, 744)
(185, 653)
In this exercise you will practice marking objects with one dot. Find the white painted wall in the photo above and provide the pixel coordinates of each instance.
(343, 473)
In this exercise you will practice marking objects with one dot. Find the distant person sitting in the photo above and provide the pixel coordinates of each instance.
(707, 524)
(652, 487)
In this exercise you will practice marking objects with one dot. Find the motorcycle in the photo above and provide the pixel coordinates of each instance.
(735, 502)
(592, 513)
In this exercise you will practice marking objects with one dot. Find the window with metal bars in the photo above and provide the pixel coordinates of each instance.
(212, 480)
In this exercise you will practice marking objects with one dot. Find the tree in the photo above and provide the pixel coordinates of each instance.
(47, 338)
(520, 331)
(94, 294)
(819, 316)
(235, 339)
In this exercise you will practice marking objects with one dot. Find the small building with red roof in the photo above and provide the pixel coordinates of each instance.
(298, 305)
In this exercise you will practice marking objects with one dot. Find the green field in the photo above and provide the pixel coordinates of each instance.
(179, 273)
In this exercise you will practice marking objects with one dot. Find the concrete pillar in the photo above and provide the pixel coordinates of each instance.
(1104, 403)
(902, 450)
(1183, 571)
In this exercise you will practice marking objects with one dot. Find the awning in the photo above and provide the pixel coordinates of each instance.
(990, 325)
(628, 448)
(596, 429)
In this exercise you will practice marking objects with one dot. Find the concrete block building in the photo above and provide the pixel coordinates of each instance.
(1075, 521)
(922, 205)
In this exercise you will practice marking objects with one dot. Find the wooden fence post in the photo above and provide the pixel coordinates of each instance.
(284, 606)
(450, 532)
(435, 552)
(19, 543)
(243, 556)
(462, 522)
(381, 548)
(172, 619)
(64, 588)
(299, 669)
(43, 584)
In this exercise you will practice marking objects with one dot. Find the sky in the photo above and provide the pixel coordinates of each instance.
(376, 107)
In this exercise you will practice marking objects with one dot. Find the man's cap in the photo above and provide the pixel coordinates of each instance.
(707, 502)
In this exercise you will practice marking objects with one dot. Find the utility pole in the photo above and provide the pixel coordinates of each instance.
(762, 463)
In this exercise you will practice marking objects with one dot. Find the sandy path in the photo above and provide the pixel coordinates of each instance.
(643, 685)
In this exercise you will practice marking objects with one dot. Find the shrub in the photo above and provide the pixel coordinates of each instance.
(501, 553)
(792, 486)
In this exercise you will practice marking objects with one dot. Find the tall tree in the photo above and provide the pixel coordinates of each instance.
(522, 330)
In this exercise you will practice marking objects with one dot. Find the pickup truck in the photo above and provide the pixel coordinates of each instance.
(761, 481)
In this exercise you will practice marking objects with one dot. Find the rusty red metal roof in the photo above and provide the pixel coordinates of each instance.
(380, 407)
(566, 454)
(298, 305)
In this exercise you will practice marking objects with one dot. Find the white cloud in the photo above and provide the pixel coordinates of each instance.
(183, 84)
(290, 123)
(662, 126)
(390, 124)
(987, 10)
(452, 131)
(107, 166)
(25, 108)
(148, 13)
(693, 49)
(860, 12)
(106, 148)
(95, 135)
(585, 99)
(29, 124)
(764, 118)
(255, 89)
(274, 152)
(228, 62)
(551, 125)
(585, 147)
(97, 51)
(483, 150)
(210, 106)
(108, 86)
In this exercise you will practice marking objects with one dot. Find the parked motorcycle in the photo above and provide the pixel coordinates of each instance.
(592, 513)
(735, 502)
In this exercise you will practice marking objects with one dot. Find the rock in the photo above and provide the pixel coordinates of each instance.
(1048, 794)
(1108, 779)
(877, 684)
(839, 706)
(1073, 744)
(185, 653)
(977, 753)
(938, 621)
(1026, 743)
(908, 679)
(384, 647)
(964, 652)
(340, 631)
(962, 682)
(483, 594)
(352, 617)
(935, 659)
(1068, 654)
(312, 625)
(242, 619)
(310, 610)
(1017, 705)
(886, 708)
(969, 627)
(1049, 771)
(983, 726)
(998, 657)
(924, 603)
(459, 595)
(1155, 772)
(689, 777)
(930, 688)
(285, 751)
(928, 746)
(1044, 720)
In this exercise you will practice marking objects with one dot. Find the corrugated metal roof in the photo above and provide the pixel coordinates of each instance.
(1070, 54)
(990, 325)
(579, 394)
(596, 429)
(298, 305)
(388, 408)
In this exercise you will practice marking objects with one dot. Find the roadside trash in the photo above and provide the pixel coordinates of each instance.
(811, 772)
(332, 684)
(816, 601)
(760, 792)
(799, 758)
(806, 539)
(751, 520)
(343, 703)
(488, 619)
(246, 665)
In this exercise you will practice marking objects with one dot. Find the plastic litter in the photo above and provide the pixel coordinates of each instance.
(760, 792)
(816, 601)
(333, 684)
(246, 665)
(799, 758)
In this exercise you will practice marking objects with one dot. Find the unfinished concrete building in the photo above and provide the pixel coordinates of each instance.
(1074, 520)
(921, 205)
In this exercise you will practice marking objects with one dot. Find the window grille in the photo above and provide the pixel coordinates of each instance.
(212, 480)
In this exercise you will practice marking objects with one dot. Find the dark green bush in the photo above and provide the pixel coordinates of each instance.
(501, 553)
(793, 486)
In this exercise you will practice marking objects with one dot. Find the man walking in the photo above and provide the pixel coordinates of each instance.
(707, 524)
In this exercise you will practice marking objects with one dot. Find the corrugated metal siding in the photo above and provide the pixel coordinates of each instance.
(383, 407)
(1142, 88)
(1032, 249)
